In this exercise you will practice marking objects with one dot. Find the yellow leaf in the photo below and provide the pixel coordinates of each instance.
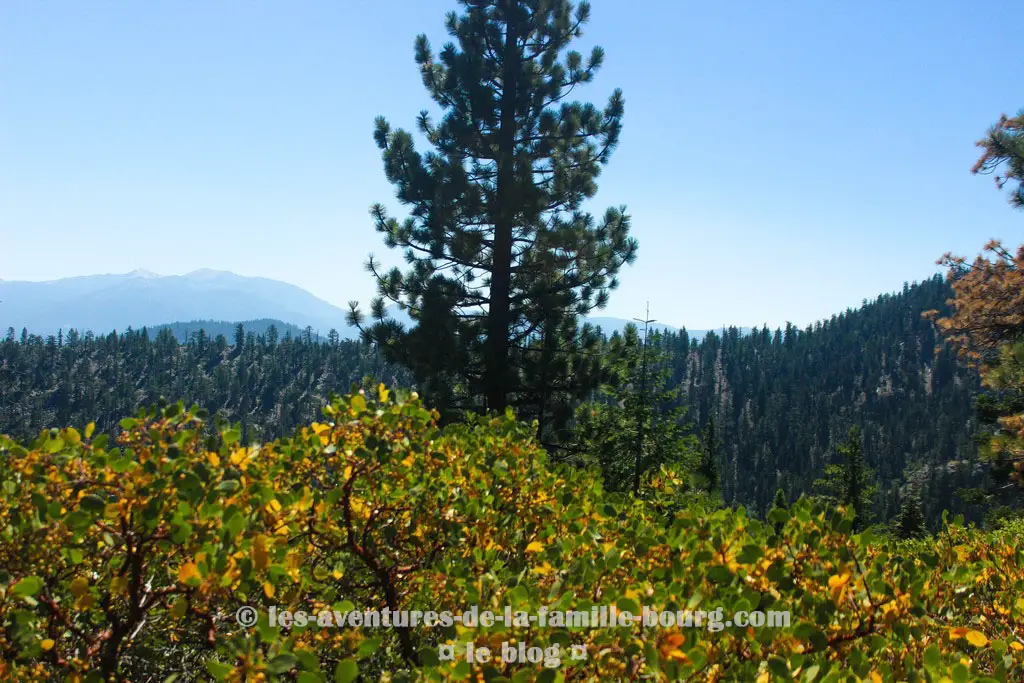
(977, 638)
(837, 583)
(293, 560)
(72, 435)
(89, 429)
(118, 585)
(85, 602)
(47, 644)
(213, 458)
(535, 547)
(674, 640)
(188, 571)
(79, 586)
(383, 393)
(958, 632)
(260, 556)
(875, 677)
(1016, 646)
(268, 589)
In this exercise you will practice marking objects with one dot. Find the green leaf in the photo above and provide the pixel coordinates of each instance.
(778, 666)
(308, 660)
(27, 587)
(429, 657)
(182, 533)
(92, 502)
(219, 670)
(358, 403)
(368, 647)
(813, 635)
(282, 663)
(628, 605)
(720, 574)
(750, 554)
(346, 671)
(778, 516)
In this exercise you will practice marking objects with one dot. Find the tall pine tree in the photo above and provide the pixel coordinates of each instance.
(851, 482)
(502, 257)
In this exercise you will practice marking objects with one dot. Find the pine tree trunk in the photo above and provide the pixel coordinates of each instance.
(498, 323)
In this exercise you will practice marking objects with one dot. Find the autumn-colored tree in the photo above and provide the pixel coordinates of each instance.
(987, 304)
(987, 320)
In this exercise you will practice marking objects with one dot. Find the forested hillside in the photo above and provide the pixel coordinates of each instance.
(268, 384)
(782, 400)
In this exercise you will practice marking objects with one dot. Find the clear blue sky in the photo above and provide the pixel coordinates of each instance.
(781, 160)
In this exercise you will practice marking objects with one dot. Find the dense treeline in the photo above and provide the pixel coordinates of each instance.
(786, 399)
(268, 384)
(783, 400)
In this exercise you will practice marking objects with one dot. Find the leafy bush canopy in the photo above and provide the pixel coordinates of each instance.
(130, 560)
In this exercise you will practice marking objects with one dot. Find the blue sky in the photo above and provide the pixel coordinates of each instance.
(781, 160)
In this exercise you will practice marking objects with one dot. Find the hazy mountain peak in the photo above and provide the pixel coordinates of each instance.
(209, 273)
(102, 303)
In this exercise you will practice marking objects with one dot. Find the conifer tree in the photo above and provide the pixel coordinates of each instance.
(711, 447)
(850, 482)
(780, 502)
(502, 257)
(607, 429)
(1004, 148)
(910, 521)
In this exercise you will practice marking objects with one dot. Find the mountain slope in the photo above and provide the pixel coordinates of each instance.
(102, 303)
(781, 402)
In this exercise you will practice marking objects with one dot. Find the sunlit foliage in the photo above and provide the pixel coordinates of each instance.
(987, 328)
(129, 560)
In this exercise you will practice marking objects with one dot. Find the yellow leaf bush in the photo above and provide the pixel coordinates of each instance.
(130, 562)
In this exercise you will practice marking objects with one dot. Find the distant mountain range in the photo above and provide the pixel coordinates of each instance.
(212, 299)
